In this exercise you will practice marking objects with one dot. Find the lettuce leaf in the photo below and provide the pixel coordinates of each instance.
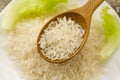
(111, 28)
(21, 9)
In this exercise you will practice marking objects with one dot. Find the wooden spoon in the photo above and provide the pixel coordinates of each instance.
(80, 15)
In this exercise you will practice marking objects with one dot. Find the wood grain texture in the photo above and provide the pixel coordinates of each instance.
(3, 3)
(115, 4)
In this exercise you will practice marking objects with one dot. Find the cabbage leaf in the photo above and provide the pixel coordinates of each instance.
(21, 9)
(111, 28)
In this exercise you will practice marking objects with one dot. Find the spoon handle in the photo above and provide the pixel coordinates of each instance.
(87, 10)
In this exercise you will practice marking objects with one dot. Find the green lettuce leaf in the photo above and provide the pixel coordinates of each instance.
(112, 32)
(21, 9)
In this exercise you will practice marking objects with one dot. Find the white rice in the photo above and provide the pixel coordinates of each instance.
(61, 38)
(21, 44)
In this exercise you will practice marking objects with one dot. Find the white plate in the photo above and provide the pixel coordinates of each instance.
(112, 68)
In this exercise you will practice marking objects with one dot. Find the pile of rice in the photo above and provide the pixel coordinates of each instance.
(61, 38)
(21, 44)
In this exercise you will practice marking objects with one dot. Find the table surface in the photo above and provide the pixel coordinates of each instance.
(114, 3)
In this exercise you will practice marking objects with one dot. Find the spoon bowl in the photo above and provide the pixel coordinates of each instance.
(82, 16)
(74, 16)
